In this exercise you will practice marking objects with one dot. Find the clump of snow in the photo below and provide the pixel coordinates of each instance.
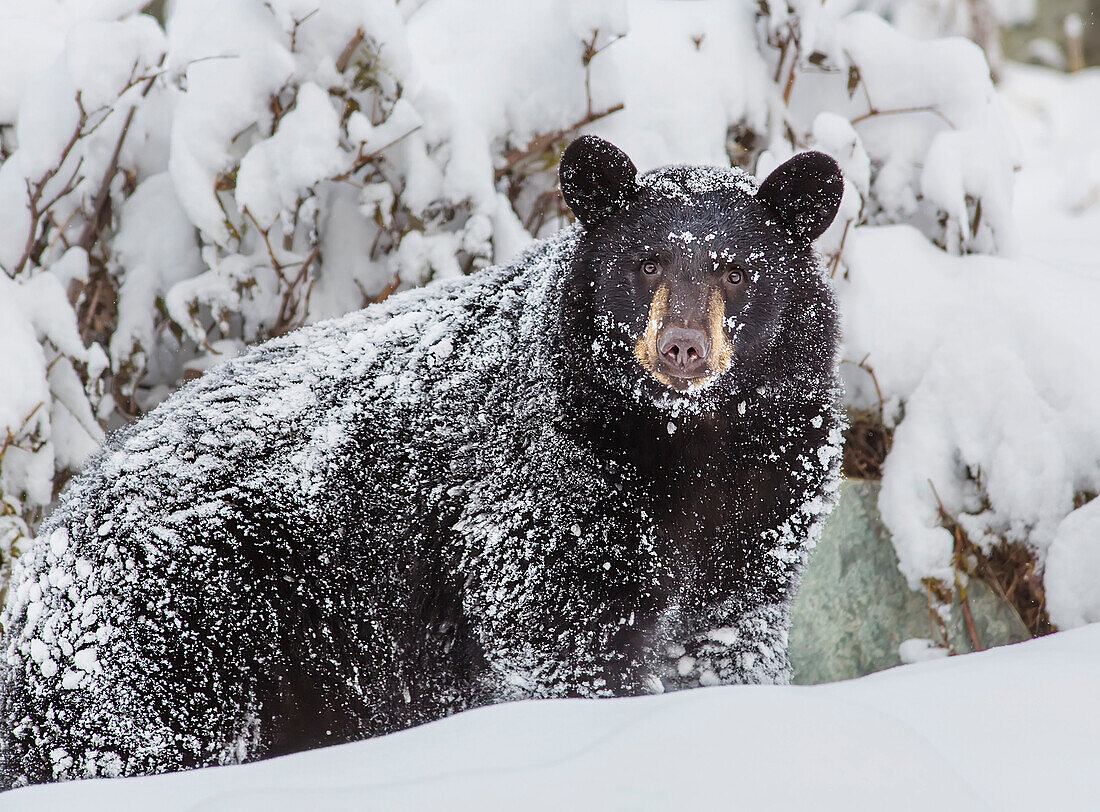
(304, 150)
(919, 649)
(1073, 565)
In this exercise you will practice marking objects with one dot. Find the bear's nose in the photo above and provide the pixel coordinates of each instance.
(683, 350)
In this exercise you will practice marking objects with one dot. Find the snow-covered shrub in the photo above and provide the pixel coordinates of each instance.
(168, 195)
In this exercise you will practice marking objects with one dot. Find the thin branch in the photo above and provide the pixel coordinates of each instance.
(294, 30)
(288, 308)
(266, 234)
(363, 160)
(840, 251)
(94, 222)
(37, 189)
(70, 186)
(12, 441)
(344, 59)
(874, 379)
(541, 143)
(590, 53)
(89, 314)
(903, 111)
(952, 525)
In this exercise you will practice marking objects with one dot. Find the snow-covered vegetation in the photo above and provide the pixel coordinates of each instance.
(170, 194)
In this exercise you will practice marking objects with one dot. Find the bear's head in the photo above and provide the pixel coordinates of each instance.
(689, 272)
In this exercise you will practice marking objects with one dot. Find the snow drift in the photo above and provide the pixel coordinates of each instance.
(1006, 729)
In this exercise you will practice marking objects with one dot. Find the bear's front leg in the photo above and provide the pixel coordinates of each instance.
(570, 613)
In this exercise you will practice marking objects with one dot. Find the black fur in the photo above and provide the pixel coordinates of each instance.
(471, 493)
(804, 193)
(597, 178)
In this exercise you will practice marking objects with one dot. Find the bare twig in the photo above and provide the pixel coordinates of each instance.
(344, 59)
(387, 291)
(898, 111)
(37, 189)
(362, 160)
(541, 143)
(294, 30)
(957, 556)
(99, 207)
(12, 439)
(835, 263)
(590, 53)
(89, 314)
(862, 364)
(547, 201)
(276, 265)
(290, 305)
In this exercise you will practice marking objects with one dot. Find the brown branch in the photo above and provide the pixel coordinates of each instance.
(590, 53)
(782, 45)
(541, 143)
(294, 30)
(363, 160)
(547, 200)
(286, 321)
(958, 551)
(89, 314)
(874, 379)
(789, 86)
(836, 258)
(266, 234)
(69, 186)
(37, 189)
(11, 440)
(971, 629)
(387, 291)
(902, 111)
(99, 207)
(344, 59)
(59, 228)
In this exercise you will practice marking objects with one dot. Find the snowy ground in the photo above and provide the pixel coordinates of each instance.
(1011, 728)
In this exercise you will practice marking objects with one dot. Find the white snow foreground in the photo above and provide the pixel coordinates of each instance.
(957, 733)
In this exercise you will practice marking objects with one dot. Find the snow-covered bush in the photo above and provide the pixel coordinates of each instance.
(168, 195)
(980, 20)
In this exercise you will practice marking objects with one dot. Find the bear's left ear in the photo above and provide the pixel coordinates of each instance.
(804, 193)
(597, 178)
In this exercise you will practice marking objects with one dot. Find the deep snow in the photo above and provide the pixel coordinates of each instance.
(1006, 729)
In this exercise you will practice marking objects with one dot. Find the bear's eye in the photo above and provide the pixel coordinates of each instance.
(649, 267)
(735, 276)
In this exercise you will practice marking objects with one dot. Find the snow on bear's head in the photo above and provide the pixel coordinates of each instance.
(693, 270)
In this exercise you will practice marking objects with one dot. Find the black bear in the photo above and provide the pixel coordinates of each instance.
(594, 471)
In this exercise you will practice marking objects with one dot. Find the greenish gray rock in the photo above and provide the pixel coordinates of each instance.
(854, 608)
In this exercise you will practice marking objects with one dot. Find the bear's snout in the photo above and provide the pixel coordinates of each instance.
(683, 351)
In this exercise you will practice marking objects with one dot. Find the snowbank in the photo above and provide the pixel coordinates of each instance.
(958, 733)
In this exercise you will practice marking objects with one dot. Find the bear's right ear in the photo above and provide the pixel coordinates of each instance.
(597, 178)
(804, 193)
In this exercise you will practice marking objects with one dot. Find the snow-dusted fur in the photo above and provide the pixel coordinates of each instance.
(458, 497)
